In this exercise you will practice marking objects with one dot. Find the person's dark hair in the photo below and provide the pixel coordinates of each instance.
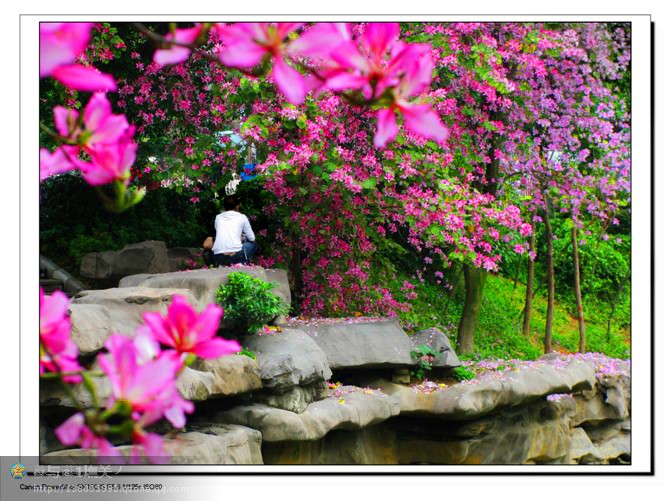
(231, 202)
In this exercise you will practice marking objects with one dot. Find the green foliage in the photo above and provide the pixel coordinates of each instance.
(248, 302)
(73, 223)
(463, 373)
(424, 355)
(247, 353)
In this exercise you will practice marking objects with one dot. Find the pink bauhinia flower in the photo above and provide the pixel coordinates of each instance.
(60, 45)
(110, 162)
(177, 53)
(149, 388)
(101, 126)
(415, 76)
(74, 431)
(58, 353)
(246, 44)
(188, 331)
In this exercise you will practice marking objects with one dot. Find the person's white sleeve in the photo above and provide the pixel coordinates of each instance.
(248, 232)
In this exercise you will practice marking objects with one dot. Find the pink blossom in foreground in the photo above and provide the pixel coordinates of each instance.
(58, 353)
(60, 45)
(149, 387)
(416, 69)
(57, 162)
(101, 126)
(110, 162)
(246, 44)
(84, 78)
(188, 331)
(177, 54)
(75, 432)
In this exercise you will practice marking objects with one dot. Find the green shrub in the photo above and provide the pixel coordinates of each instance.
(247, 353)
(248, 302)
(463, 373)
(424, 355)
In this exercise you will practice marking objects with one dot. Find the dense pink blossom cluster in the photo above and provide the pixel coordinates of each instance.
(495, 117)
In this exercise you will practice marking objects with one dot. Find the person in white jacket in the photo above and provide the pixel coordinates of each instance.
(235, 240)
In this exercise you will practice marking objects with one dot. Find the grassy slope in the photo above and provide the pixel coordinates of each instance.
(501, 317)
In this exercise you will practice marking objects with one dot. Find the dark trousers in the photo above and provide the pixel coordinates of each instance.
(241, 257)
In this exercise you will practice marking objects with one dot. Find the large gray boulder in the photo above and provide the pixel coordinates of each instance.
(437, 340)
(96, 314)
(349, 408)
(204, 283)
(219, 377)
(493, 391)
(287, 359)
(144, 257)
(361, 343)
(206, 444)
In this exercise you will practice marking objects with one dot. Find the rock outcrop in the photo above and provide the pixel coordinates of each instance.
(204, 283)
(150, 256)
(361, 344)
(287, 359)
(438, 341)
(350, 408)
(96, 314)
(205, 444)
(283, 408)
(492, 392)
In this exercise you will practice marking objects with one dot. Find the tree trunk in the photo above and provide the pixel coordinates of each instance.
(528, 309)
(475, 278)
(550, 275)
(578, 292)
(518, 269)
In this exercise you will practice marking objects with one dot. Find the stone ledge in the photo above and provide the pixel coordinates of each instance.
(361, 344)
(206, 444)
(204, 283)
(351, 409)
(479, 397)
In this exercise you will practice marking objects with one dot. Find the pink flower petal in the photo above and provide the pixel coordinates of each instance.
(423, 121)
(387, 128)
(379, 36)
(215, 348)
(177, 54)
(61, 43)
(289, 81)
(65, 120)
(84, 78)
(97, 109)
(69, 432)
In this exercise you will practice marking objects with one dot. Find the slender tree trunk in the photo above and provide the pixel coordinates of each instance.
(549, 236)
(518, 269)
(528, 309)
(578, 292)
(475, 278)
